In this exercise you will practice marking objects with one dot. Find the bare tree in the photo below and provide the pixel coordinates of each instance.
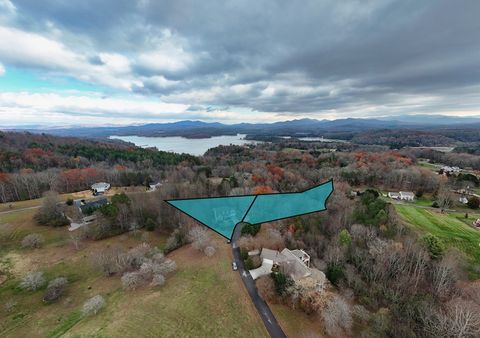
(133, 280)
(55, 289)
(111, 261)
(93, 305)
(76, 238)
(33, 281)
(337, 317)
(444, 197)
(32, 241)
(459, 318)
(158, 280)
(198, 237)
(136, 256)
(266, 288)
(443, 278)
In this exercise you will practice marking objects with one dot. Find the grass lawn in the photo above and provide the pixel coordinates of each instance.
(297, 324)
(424, 201)
(452, 228)
(431, 166)
(204, 298)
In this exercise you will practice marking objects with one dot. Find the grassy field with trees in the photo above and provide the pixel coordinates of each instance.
(453, 229)
(204, 297)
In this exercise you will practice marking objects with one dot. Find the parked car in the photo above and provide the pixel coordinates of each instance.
(234, 266)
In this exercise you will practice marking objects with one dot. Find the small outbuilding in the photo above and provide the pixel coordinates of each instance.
(407, 196)
(100, 188)
(154, 186)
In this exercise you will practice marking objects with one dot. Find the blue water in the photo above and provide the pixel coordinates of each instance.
(179, 144)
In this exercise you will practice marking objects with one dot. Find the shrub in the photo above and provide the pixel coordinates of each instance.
(159, 257)
(93, 305)
(249, 263)
(209, 251)
(167, 267)
(434, 245)
(334, 273)
(150, 224)
(473, 202)
(244, 254)
(120, 198)
(136, 256)
(345, 237)
(69, 201)
(158, 280)
(32, 241)
(33, 281)
(281, 282)
(55, 289)
(132, 280)
(250, 229)
(177, 239)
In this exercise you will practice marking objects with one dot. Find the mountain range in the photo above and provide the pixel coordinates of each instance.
(340, 128)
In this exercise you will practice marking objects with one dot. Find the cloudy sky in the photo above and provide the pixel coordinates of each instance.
(65, 62)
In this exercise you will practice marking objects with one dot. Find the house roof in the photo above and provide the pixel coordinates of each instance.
(93, 204)
(273, 255)
(407, 193)
(295, 265)
(300, 254)
(100, 186)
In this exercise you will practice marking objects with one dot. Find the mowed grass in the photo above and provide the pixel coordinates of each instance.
(204, 298)
(453, 229)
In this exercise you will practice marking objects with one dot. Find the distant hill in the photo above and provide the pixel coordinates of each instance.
(347, 129)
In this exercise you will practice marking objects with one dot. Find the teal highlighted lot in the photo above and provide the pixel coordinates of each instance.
(219, 213)
(222, 214)
(278, 206)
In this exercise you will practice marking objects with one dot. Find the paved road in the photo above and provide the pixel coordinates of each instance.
(20, 209)
(267, 316)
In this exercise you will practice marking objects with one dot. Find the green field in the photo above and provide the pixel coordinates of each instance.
(425, 164)
(453, 229)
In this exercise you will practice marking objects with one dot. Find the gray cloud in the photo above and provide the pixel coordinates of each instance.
(292, 57)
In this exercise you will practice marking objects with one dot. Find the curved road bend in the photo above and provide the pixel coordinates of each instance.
(264, 311)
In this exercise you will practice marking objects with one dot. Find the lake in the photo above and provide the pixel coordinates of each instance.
(179, 144)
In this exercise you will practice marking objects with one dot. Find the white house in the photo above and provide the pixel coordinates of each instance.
(394, 195)
(402, 195)
(407, 196)
(463, 200)
(447, 170)
(100, 188)
(154, 186)
(295, 263)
